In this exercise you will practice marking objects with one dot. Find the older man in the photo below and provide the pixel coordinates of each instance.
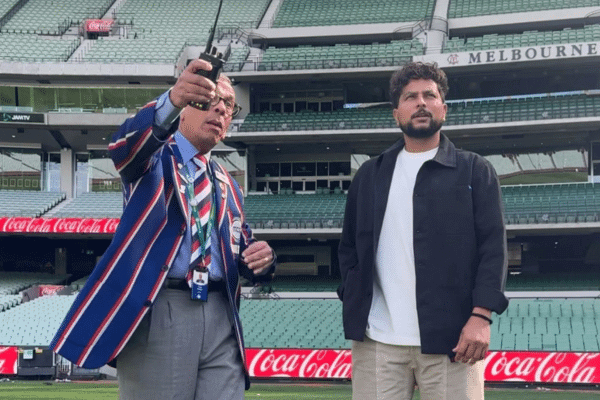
(164, 298)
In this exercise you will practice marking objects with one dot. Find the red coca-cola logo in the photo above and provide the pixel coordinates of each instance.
(59, 225)
(8, 360)
(299, 363)
(49, 290)
(68, 225)
(15, 224)
(506, 366)
(110, 225)
(98, 25)
(546, 367)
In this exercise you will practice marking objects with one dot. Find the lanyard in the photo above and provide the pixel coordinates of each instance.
(202, 236)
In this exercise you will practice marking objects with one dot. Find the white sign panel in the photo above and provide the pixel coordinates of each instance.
(512, 55)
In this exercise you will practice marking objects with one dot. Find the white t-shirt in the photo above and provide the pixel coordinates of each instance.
(393, 315)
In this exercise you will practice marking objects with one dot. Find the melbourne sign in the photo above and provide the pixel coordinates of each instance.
(58, 225)
(21, 117)
(505, 366)
(512, 55)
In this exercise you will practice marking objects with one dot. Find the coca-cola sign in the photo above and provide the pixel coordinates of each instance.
(49, 290)
(546, 367)
(58, 225)
(99, 25)
(8, 360)
(506, 366)
(299, 363)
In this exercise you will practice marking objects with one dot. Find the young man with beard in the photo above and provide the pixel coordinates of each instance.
(422, 255)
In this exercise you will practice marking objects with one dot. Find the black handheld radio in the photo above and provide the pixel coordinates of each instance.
(216, 59)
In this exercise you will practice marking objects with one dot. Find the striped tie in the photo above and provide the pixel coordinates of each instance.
(202, 198)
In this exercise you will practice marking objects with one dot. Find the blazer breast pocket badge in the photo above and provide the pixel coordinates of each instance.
(236, 234)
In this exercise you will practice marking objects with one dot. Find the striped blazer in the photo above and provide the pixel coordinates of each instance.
(128, 277)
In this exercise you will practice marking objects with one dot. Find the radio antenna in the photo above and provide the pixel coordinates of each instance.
(214, 28)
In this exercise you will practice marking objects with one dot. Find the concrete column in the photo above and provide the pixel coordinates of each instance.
(242, 97)
(67, 172)
(251, 169)
(60, 261)
(438, 32)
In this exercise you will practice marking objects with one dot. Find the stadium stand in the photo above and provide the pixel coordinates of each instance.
(303, 283)
(54, 17)
(340, 55)
(293, 323)
(20, 47)
(472, 8)
(26, 203)
(506, 165)
(557, 281)
(166, 50)
(300, 311)
(589, 33)
(35, 322)
(577, 104)
(295, 211)
(529, 324)
(548, 324)
(6, 6)
(573, 202)
(523, 204)
(94, 205)
(11, 283)
(78, 284)
(153, 37)
(293, 13)
(536, 324)
(237, 58)
(9, 300)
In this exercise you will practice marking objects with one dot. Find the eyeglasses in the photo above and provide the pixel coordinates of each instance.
(231, 107)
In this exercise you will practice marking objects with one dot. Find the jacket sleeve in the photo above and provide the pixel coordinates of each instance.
(136, 141)
(347, 255)
(491, 238)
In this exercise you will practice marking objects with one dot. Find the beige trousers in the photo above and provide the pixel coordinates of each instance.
(387, 372)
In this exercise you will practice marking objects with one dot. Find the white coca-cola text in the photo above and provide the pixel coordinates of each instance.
(556, 367)
(59, 225)
(310, 364)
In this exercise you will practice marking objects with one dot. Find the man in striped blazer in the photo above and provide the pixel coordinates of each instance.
(137, 307)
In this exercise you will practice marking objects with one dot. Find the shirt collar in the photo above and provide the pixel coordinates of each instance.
(186, 149)
(446, 154)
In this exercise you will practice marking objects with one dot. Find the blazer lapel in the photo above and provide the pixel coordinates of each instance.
(221, 187)
(180, 180)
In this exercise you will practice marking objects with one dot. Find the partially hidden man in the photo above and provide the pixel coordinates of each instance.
(163, 301)
(423, 255)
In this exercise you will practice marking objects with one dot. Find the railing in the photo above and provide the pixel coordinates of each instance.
(332, 63)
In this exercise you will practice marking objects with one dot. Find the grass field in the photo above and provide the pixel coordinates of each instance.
(109, 391)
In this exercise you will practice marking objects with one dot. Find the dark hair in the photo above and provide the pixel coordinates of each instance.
(417, 70)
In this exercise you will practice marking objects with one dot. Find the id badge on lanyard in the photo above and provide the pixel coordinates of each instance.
(200, 283)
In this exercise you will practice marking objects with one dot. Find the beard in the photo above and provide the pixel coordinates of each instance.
(421, 133)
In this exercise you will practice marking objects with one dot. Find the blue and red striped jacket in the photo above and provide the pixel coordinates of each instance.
(128, 277)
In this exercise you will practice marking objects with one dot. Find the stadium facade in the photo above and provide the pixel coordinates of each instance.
(312, 79)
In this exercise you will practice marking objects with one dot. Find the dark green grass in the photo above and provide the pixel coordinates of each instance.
(30, 390)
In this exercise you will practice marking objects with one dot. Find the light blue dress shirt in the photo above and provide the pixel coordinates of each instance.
(166, 114)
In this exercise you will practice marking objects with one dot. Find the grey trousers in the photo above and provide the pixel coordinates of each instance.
(183, 349)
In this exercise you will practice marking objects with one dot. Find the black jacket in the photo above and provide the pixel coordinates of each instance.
(459, 242)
